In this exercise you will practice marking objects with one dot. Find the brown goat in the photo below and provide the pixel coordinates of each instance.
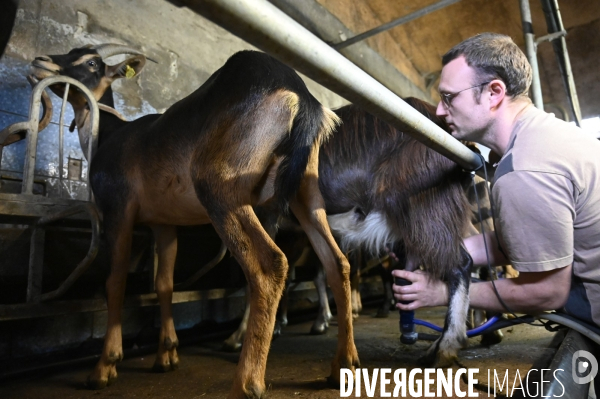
(248, 139)
(385, 190)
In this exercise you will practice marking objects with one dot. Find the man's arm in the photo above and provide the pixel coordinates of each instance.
(476, 247)
(529, 293)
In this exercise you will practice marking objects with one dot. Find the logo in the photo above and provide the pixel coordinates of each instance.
(584, 367)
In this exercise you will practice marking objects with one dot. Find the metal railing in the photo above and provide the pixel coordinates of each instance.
(265, 26)
(46, 211)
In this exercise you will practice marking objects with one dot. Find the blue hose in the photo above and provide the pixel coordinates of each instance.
(470, 333)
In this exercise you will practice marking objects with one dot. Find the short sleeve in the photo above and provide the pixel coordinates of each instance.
(535, 214)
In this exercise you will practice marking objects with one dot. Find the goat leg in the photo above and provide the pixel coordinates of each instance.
(309, 209)
(166, 244)
(234, 342)
(321, 324)
(355, 265)
(385, 270)
(265, 267)
(119, 236)
(444, 350)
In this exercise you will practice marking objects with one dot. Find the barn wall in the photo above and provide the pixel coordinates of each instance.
(416, 48)
(187, 47)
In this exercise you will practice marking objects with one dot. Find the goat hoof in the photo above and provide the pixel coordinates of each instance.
(101, 377)
(96, 385)
(438, 359)
(160, 368)
(276, 331)
(231, 347)
(493, 338)
(164, 368)
(319, 328)
(254, 392)
(427, 360)
(333, 382)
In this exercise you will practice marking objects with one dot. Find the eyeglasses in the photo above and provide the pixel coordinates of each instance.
(448, 97)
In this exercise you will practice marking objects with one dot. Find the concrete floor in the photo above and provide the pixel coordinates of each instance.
(297, 367)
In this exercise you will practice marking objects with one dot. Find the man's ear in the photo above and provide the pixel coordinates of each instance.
(497, 92)
(126, 69)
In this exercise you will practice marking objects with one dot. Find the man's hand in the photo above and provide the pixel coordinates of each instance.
(423, 292)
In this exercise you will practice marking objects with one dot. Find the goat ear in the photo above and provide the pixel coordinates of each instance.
(126, 69)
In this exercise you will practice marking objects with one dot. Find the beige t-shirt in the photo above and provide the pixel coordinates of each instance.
(547, 195)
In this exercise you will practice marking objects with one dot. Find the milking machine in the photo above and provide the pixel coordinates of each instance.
(407, 319)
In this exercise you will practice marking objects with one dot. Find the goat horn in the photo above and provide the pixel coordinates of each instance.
(17, 135)
(110, 49)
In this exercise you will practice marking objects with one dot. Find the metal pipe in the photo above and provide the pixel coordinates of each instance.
(268, 28)
(81, 268)
(61, 133)
(204, 269)
(394, 23)
(531, 51)
(327, 27)
(550, 37)
(563, 363)
(554, 23)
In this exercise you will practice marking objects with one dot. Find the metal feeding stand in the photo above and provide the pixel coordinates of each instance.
(37, 211)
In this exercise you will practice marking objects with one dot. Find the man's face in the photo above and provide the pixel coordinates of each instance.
(466, 117)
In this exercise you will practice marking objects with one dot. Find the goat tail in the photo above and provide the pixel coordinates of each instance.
(311, 126)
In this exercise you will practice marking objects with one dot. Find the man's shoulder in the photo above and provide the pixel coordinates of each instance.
(540, 129)
(544, 143)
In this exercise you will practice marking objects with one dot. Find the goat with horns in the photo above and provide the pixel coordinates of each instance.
(247, 139)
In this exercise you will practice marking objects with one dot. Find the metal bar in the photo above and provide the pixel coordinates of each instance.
(323, 24)
(32, 125)
(61, 126)
(32, 135)
(550, 37)
(530, 50)
(36, 265)
(92, 212)
(394, 23)
(204, 269)
(563, 360)
(554, 23)
(268, 28)
(55, 308)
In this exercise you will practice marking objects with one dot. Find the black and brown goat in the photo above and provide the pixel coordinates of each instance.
(248, 137)
(385, 190)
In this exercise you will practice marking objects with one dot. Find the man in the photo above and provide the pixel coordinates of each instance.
(546, 188)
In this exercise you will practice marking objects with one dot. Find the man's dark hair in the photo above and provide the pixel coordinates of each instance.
(495, 56)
